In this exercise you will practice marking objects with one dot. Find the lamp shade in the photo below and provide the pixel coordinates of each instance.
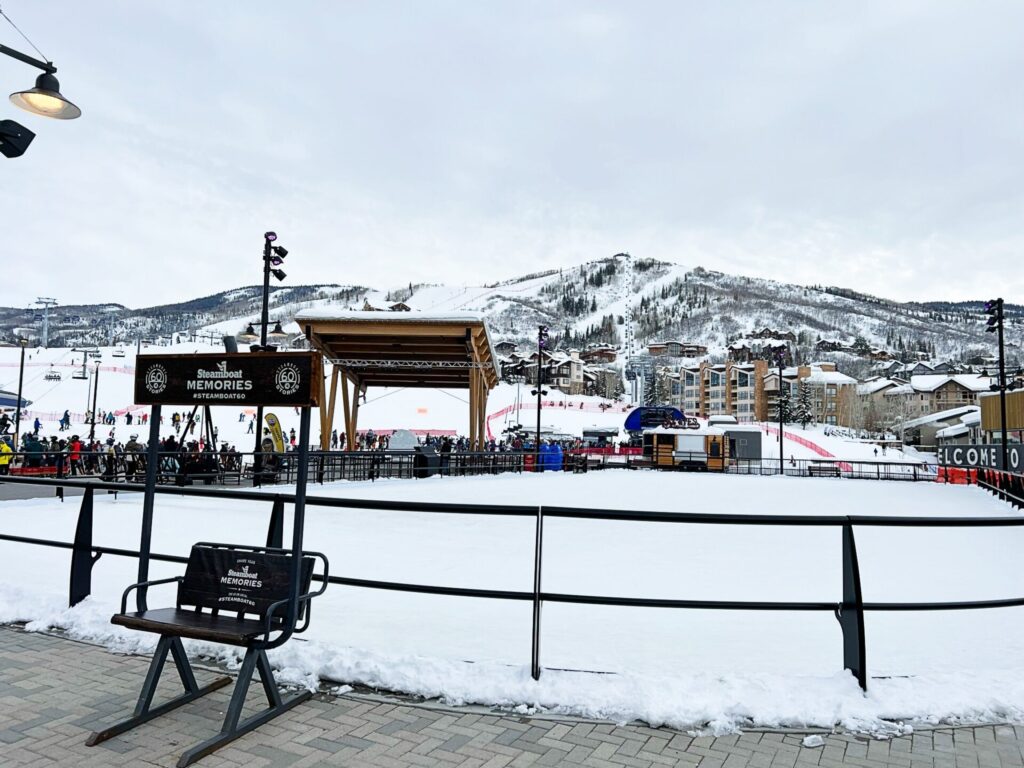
(46, 100)
(249, 334)
(278, 332)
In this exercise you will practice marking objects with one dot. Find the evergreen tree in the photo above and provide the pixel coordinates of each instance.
(783, 412)
(650, 388)
(803, 413)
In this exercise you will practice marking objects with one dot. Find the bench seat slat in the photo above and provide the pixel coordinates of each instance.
(188, 623)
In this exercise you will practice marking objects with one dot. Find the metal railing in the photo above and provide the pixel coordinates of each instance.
(849, 610)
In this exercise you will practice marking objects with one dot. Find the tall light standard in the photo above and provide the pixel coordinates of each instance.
(95, 392)
(23, 342)
(994, 309)
(780, 358)
(542, 340)
(273, 258)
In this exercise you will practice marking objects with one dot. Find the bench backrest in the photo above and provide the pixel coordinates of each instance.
(240, 580)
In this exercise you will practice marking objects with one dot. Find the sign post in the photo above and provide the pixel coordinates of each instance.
(253, 378)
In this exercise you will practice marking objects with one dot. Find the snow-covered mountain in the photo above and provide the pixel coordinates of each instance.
(600, 301)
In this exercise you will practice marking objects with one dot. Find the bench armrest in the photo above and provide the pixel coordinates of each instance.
(133, 587)
(306, 598)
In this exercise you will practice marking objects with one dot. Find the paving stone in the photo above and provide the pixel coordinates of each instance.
(54, 691)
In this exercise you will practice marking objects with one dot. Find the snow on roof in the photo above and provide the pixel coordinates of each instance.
(359, 315)
(875, 385)
(819, 376)
(947, 415)
(955, 431)
(932, 381)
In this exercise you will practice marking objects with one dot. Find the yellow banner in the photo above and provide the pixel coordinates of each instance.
(275, 432)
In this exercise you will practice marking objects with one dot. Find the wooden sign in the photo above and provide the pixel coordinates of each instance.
(243, 378)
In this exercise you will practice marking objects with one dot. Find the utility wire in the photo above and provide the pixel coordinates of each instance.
(43, 55)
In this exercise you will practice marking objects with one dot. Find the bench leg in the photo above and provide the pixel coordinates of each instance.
(255, 660)
(144, 712)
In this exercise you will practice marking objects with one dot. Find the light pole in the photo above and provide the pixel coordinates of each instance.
(23, 342)
(95, 392)
(542, 340)
(780, 357)
(273, 257)
(994, 309)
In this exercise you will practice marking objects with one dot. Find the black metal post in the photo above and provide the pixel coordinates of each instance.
(152, 459)
(782, 460)
(298, 520)
(95, 392)
(17, 410)
(538, 557)
(81, 554)
(851, 612)
(275, 531)
(540, 378)
(257, 459)
(1002, 391)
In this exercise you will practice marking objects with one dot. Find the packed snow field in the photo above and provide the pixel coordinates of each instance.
(703, 669)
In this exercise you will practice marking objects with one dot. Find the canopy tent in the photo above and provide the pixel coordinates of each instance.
(10, 400)
(401, 349)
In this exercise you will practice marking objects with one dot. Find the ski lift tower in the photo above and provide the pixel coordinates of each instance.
(46, 304)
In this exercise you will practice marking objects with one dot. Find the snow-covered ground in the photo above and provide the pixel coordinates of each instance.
(683, 667)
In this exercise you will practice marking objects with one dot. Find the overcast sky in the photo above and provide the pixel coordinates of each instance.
(872, 145)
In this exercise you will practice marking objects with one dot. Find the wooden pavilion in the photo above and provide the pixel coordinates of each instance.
(400, 349)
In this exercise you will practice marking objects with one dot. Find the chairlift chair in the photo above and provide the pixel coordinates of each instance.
(52, 375)
(119, 352)
(79, 374)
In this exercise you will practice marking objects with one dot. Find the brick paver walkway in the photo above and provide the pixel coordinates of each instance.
(54, 691)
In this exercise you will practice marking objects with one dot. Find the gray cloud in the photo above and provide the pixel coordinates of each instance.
(873, 145)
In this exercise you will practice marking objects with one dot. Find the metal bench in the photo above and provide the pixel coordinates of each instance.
(229, 594)
(823, 470)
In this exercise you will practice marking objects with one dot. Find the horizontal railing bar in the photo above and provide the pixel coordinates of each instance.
(717, 518)
(556, 597)
(499, 594)
(646, 602)
(1011, 602)
(319, 501)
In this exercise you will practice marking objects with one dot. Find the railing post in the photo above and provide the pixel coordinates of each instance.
(538, 556)
(81, 554)
(851, 612)
(275, 532)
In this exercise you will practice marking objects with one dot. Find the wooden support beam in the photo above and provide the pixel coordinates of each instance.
(325, 435)
(348, 411)
(355, 408)
(472, 412)
(334, 398)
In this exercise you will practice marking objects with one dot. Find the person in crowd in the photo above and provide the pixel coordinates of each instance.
(5, 424)
(5, 455)
(132, 452)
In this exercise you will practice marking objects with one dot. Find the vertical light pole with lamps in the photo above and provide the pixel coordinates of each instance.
(780, 358)
(22, 342)
(542, 340)
(994, 309)
(95, 392)
(273, 257)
